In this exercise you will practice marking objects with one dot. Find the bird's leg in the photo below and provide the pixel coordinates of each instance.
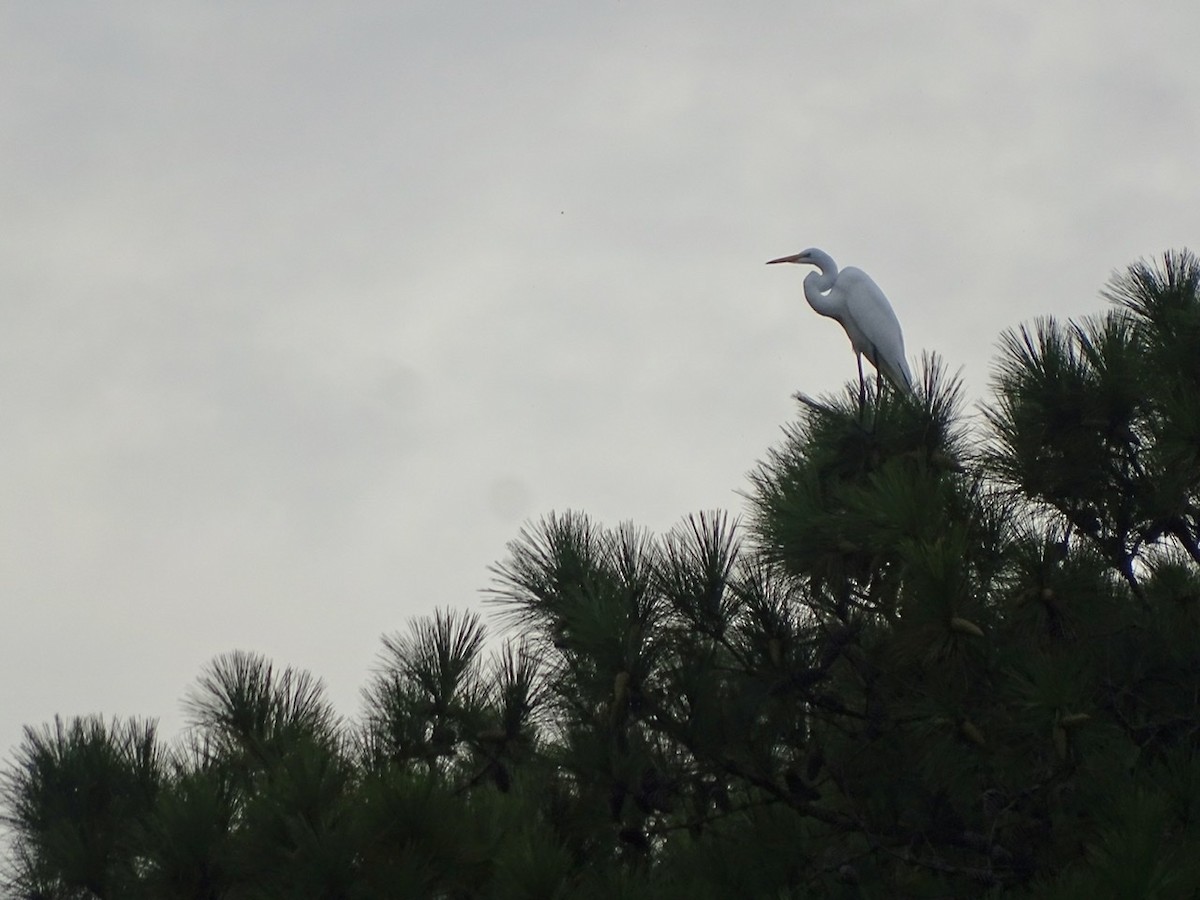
(862, 387)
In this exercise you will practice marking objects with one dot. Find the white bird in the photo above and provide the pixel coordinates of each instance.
(855, 300)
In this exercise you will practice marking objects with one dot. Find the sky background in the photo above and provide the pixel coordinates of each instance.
(305, 308)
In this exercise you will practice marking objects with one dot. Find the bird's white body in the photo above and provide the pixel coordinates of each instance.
(851, 297)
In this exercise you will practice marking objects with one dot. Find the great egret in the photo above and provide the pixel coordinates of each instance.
(854, 300)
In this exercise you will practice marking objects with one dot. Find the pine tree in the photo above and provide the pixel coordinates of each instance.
(943, 655)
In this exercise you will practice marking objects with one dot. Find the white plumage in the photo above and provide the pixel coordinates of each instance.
(852, 298)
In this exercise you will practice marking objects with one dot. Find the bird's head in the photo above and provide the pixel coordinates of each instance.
(804, 256)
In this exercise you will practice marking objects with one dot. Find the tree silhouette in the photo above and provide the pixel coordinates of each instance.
(942, 656)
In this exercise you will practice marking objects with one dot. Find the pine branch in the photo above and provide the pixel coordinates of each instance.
(983, 876)
(1179, 530)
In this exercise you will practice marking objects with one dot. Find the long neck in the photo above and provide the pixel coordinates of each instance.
(816, 284)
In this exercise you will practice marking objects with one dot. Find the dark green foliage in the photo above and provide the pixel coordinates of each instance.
(188, 836)
(1099, 422)
(936, 662)
(75, 798)
(253, 713)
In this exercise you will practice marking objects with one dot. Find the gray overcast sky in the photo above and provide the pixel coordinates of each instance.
(306, 307)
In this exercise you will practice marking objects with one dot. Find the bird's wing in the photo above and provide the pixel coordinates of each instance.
(873, 318)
